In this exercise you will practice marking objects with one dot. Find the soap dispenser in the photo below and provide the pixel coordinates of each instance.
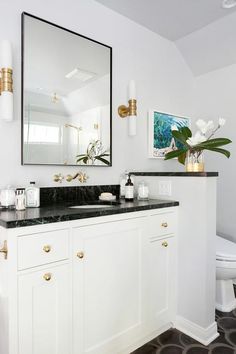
(129, 190)
(32, 196)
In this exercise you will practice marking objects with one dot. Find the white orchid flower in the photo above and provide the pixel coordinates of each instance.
(222, 122)
(204, 126)
(201, 124)
(210, 125)
(174, 127)
(196, 139)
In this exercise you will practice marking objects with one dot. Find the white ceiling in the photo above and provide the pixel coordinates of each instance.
(172, 19)
(50, 53)
(202, 30)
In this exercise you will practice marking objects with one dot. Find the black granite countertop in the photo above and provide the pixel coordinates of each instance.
(62, 212)
(176, 174)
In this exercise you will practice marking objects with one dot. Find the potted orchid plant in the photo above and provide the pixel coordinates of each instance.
(191, 152)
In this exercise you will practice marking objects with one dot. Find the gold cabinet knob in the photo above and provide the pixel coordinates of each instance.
(47, 276)
(165, 244)
(164, 224)
(47, 248)
(80, 255)
(4, 249)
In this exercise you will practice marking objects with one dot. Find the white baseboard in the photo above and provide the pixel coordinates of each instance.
(226, 308)
(203, 335)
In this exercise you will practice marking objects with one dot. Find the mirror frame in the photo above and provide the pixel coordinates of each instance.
(22, 89)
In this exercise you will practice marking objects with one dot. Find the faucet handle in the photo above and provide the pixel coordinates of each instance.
(82, 177)
(58, 178)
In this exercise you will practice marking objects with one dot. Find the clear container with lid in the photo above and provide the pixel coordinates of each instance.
(143, 191)
(20, 199)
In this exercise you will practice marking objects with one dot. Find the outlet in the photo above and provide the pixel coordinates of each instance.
(164, 188)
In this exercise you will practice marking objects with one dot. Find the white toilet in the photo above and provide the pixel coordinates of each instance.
(225, 273)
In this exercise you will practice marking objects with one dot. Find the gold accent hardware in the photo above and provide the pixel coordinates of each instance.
(164, 224)
(82, 177)
(131, 110)
(6, 81)
(4, 249)
(80, 255)
(58, 178)
(195, 167)
(47, 248)
(47, 276)
(165, 244)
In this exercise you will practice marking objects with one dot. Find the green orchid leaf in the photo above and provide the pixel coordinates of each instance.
(104, 155)
(214, 143)
(186, 132)
(179, 136)
(173, 154)
(102, 160)
(182, 158)
(221, 151)
(80, 158)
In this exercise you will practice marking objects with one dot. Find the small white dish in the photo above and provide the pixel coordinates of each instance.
(108, 199)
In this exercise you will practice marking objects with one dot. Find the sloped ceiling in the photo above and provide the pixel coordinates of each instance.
(202, 30)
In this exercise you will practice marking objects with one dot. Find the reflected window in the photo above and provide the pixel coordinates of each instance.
(37, 133)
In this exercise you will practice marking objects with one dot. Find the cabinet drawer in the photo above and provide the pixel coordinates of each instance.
(161, 224)
(42, 248)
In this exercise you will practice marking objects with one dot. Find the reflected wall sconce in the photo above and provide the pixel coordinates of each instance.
(6, 81)
(131, 110)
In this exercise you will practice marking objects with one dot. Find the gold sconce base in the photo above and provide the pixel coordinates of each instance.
(131, 110)
(6, 81)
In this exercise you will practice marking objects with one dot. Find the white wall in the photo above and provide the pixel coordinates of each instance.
(215, 96)
(163, 81)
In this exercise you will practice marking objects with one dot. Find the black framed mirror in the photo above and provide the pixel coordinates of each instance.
(66, 96)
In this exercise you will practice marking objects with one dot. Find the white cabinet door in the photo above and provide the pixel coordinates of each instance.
(44, 311)
(160, 277)
(107, 286)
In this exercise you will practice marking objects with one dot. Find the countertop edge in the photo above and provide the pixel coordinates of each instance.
(176, 174)
(90, 214)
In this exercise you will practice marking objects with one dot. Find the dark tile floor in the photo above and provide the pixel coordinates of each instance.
(175, 342)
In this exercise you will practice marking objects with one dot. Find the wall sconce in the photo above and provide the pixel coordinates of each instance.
(131, 110)
(6, 81)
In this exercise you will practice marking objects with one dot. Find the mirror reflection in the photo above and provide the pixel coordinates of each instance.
(66, 97)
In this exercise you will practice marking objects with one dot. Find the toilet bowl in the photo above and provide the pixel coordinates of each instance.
(225, 273)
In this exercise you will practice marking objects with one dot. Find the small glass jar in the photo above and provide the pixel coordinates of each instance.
(143, 191)
(194, 161)
(20, 199)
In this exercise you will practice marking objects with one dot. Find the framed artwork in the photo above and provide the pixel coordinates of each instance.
(160, 140)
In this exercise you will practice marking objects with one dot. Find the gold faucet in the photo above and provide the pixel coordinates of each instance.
(81, 176)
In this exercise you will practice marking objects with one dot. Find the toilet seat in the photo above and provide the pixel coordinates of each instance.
(225, 250)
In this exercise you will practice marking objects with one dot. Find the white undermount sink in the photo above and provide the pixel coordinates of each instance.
(91, 206)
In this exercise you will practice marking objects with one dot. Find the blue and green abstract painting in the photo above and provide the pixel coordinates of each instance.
(163, 141)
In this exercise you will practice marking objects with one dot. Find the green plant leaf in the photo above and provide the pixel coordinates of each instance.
(173, 154)
(182, 157)
(221, 151)
(104, 155)
(102, 160)
(186, 132)
(80, 158)
(179, 136)
(213, 143)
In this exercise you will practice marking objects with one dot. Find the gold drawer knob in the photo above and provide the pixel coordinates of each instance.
(164, 224)
(47, 248)
(4, 249)
(80, 255)
(165, 244)
(47, 276)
